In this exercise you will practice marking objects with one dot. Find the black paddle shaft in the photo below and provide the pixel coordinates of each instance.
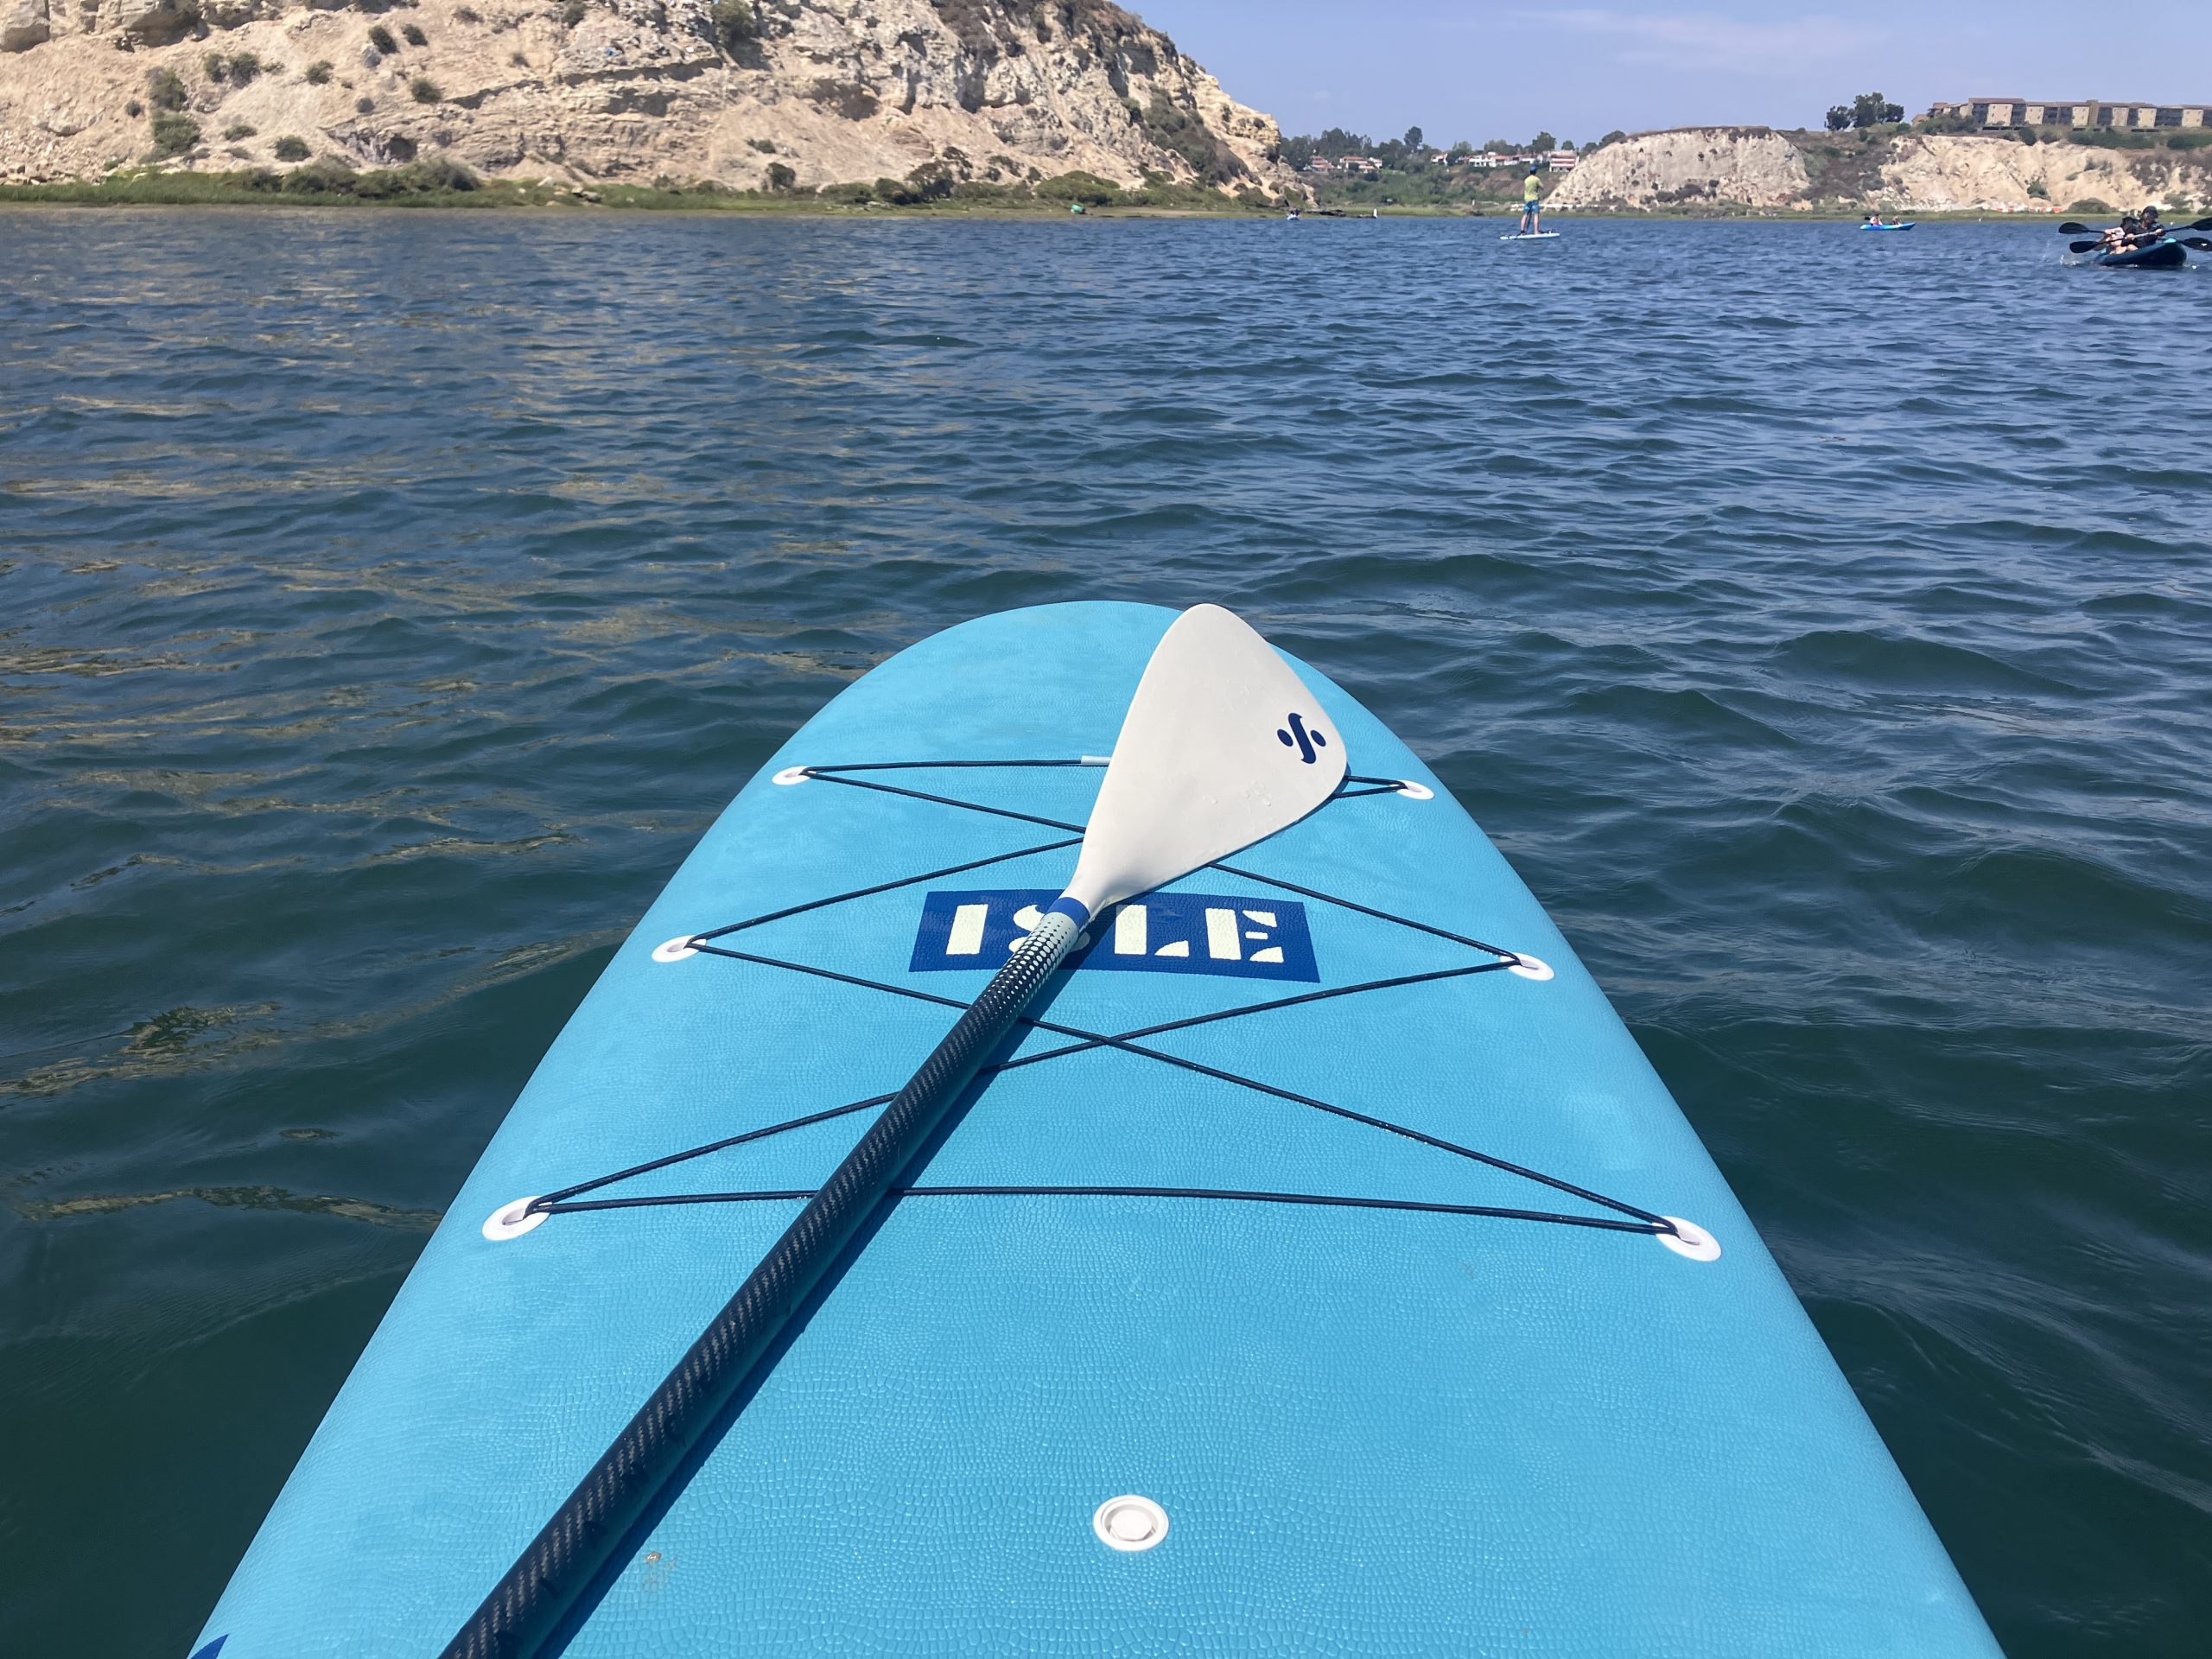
(538, 1590)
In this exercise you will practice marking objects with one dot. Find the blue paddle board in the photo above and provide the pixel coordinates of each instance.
(1324, 1270)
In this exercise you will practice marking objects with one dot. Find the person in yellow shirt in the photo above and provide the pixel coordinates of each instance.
(1532, 205)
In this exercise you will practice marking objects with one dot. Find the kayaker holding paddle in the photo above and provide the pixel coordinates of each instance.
(1532, 204)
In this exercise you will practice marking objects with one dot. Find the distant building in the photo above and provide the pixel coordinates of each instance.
(1561, 161)
(2075, 112)
(1320, 164)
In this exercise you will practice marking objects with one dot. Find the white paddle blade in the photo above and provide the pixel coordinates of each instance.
(1223, 746)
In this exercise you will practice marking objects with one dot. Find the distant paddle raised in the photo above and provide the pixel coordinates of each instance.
(1223, 746)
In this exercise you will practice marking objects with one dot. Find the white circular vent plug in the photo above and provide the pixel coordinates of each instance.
(1413, 792)
(676, 950)
(513, 1220)
(1530, 967)
(1691, 1239)
(789, 776)
(1130, 1523)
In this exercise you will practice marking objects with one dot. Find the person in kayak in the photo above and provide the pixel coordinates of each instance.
(2147, 228)
(2122, 236)
(1532, 205)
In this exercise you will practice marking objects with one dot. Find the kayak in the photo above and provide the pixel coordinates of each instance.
(2158, 256)
(1908, 225)
(1531, 235)
(1327, 1271)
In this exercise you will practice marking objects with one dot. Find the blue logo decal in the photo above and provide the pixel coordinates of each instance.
(1301, 740)
(211, 1649)
(1237, 935)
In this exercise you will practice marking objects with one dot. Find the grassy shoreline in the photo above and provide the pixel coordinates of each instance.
(394, 189)
(439, 186)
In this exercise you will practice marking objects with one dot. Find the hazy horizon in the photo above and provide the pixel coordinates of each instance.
(1508, 71)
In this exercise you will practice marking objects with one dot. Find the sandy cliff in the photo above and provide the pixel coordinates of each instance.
(1906, 172)
(1748, 165)
(626, 89)
(1932, 174)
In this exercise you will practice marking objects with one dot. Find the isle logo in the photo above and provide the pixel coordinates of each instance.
(1295, 735)
(1234, 935)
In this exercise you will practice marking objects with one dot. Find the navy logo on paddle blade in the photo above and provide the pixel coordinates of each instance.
(1297, 737)
(1232, 934)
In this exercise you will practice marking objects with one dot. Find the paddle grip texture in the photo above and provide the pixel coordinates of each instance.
(529, 1604)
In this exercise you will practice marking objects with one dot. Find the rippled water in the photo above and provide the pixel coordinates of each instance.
(387, 601)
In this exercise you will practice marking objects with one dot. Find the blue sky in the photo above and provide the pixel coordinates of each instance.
(1504, 71)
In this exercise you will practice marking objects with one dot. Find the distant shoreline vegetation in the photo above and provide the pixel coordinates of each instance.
(1345, 168)
(329, 181)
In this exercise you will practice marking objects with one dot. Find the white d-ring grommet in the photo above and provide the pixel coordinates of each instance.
(1413, 792)
(1690, 1240)
(513, 1220)
(676, 950)
(1529, 967)
(1130, 1523)
(790, 775)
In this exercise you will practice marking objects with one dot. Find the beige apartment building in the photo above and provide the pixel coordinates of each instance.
(2075, 112)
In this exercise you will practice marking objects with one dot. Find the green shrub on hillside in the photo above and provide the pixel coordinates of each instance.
(319, 72)
(849, 194)
(134, 109)
(328, 176)
(1086, 187)
(415, 179)
(780, 177)
(2109, 138)
(932, 181)
(1183, 134)
(236, 130)
(766, 146)
(733, 22)
(2090, 205)
(173, 133)
(413, 35)
(380, 38)
(423, 90)
(164, 90)
(291, 148)
(574, 12)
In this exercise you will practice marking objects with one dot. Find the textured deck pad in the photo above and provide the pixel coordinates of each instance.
(1372, 1430)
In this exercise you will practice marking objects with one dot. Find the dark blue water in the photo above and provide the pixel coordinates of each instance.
(387, 601)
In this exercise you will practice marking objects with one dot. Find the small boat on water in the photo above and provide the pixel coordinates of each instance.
(2166, 254)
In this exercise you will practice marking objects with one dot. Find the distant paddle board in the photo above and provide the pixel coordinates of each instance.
(1531, 235)
(1326, 1271)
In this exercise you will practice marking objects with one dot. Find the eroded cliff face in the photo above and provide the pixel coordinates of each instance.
(1935, 173)
(1758, 169)
(1695, 165)
(629, 90)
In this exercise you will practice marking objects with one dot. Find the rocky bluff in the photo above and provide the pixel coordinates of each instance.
(1735, 169)
(759, 95)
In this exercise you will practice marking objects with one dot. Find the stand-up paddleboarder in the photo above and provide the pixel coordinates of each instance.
(1532, 204)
